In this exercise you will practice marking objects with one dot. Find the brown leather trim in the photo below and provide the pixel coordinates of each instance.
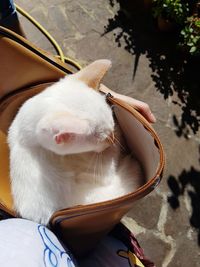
(85, 210)
(12, 95)
(38, 51)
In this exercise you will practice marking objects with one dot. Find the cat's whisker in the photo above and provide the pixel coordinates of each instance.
(100, 164)
(101, 156)
(91, 162)
(111, 138)
(98, 160)
(95, 165)
(123, 148)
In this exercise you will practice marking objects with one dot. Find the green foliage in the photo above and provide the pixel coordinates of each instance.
(191, 35)
(186, 14)
(174, 10)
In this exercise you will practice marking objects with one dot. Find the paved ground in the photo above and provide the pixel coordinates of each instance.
(145, 66)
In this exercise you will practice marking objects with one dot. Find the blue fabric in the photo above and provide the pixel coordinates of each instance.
(27, 244)
(7, 9)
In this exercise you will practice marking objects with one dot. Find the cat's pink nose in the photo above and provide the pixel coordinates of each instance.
(62, 138)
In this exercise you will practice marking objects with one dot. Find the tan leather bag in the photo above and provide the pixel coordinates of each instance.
(25, 71)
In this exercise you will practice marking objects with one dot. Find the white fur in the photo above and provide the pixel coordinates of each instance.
(47, 176)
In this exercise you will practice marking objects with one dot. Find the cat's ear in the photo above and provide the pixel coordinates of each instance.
(66, 128)
(62, 127)
(93, 73)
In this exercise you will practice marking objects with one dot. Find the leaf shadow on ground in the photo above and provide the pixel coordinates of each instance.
(174, 73)
(188, 182)
(176, 76)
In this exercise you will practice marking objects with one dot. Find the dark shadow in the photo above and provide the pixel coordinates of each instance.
(175, 74)
(187, 182)
(4, 215)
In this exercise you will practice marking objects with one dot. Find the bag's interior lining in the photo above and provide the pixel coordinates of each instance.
(139, 141)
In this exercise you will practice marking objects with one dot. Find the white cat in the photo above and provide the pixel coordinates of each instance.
(64, 149)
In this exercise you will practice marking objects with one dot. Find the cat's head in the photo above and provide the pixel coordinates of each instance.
(80, 119)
